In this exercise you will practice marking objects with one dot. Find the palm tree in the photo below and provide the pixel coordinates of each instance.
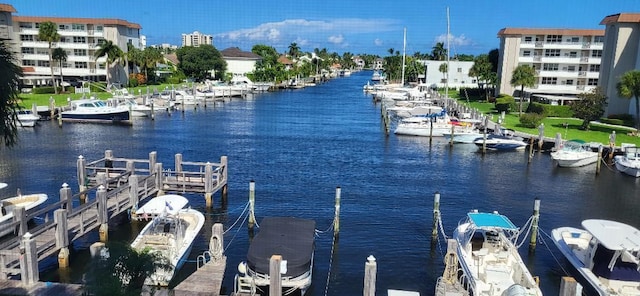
(150, 56)
(60, 55)
(9, 87)
(294, 50)
(48, 32)
(391, 51)
(113, 53)
(628, 87)
(523, 75)
(444, 69)
(438, 52)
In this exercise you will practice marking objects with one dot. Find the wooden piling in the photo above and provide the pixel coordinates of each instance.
(530, 150)
(103, 217)
(336, 216)
(153, 158)
(216, 243)
(178, 163)
(62, 237)
(452, 134)
(81, 173)
(370, 269)
(484, 135)
(208, 185)
(252, 201)
(65, 195)
(436, 216)
(158, 179)
(570, 287)
(275, 278)
(540, 137)
(29, 261)
(20, 215)
(224, 164)
(599, 161)
(96, 248)
(133, 195)
(534, 224)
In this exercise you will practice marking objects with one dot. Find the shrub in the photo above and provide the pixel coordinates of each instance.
(504, 103)
(627, 119)
(558, 111)
(536, 108)
(613, 121)
(531, 120)
(43, 90)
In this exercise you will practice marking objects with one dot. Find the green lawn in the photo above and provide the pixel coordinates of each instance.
(598, 132)
(27, 100)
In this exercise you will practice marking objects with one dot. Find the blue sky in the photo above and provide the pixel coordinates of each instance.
(338, 25)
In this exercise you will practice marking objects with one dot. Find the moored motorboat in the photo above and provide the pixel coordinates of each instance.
(94, 110)
(28, 201)
(574, 153)
(293, 239)
(606, 253)
(26, 118)
(501, 142)
(488, 257)
(629, 162)
(170, 234)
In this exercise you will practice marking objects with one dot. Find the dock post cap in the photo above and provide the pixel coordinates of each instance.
(80, 157)
(101, 187)
(371, 259)
(65, 185)
(27, 235)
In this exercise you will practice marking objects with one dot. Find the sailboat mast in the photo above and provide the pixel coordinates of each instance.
(404, 53)
(446, 85)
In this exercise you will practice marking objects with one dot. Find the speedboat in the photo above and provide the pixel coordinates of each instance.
(574, 153)
(293, 239)
(26, 118)
(629, 162)
(434, 125)
(489, 259)
(170, 234)
(467, 133)
(130, 104)
(501, 142)
(28, 201)
(94, 110)
(606, 253)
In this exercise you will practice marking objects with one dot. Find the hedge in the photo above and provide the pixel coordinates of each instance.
(531, 120)
(43, 90)
(550, 110)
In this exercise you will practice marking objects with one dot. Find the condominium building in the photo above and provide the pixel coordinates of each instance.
(196, 39)
(566, 61)
(621, 54)
(79, 37)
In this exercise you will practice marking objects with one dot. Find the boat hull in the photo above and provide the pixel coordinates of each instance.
(574, 161)
(29, 201)
(117, 116)
(631, 168)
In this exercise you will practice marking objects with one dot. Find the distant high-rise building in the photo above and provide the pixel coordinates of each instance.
(196, 39)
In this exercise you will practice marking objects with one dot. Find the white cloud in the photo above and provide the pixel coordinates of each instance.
(378, 42)
(336, 39)
(454, 40)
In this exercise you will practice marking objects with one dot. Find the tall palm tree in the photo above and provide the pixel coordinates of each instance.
(628, 87)
(150, 57)
(444, 68)
(113, 53)
(48, 32)
(294, 50)
(438, 52)
(60, 55)
(523, 75)
(9, 87)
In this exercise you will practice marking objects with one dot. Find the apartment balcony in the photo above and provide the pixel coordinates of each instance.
(70, 33)
(593, 74)
(557, 60)
(559, 74)
(6, 32)
(556, 88)
(27, 31)
(560, 45)
(582, 74)
(75, 58)
(527, 45)
(71, 45)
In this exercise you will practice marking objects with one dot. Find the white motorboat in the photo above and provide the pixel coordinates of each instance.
(377, 76)
(170, 234)
(293, 239)
(136, 110)
(606, 253)
(467, 133)
(186, 99)
(434, 125)
(489, 260)
(28, 201)
(574, 153)
(26, 118)
(94, 110)
(503, 140)
(629, 162)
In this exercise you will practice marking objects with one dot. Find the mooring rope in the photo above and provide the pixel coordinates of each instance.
(329, 228)
(241, 214)
(528, 226)
(333, 244)
(235, 234)
(547, 246)
(444, 234)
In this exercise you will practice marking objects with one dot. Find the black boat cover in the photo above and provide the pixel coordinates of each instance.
(293, 238)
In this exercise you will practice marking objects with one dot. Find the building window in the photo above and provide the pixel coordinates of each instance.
(79, 39)
(26, 37)
(81, 65)
(77, 27)
(526, 53)
(554, 38)
(596, 53)
(592, 81)
(28, 62)
(80, 52)
(573, 54)
(99, 28)
(37, 25)
(61, 27)
(42, 51)
(571, 68)
(28, 50)
(101, 66)
(569, 82)
(26, 25)
(551, 52)
(594, 68)
(574, 40)
(549, 80)
(528, 39)
(550, 67)
(598, 39)
(459, 70)
(43, 63)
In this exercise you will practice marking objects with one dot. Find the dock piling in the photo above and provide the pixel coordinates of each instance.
(436, 216)
(252, 201)
(275, 278)
(29, 260)
(62, 237)
(103, 217)
(208, 185)
(65, 195)
(540, 136)
(570, 287)
(370, 270)
(336, 221)
(599, 161)
(534, 224)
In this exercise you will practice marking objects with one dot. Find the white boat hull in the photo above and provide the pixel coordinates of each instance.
(29, 201)
(629, 167)
(574, 159)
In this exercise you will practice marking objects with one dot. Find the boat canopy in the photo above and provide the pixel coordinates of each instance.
(491, 220)
(293, 238)
(614, 235)
(170, 204)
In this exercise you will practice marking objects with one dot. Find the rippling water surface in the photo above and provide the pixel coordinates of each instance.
(299, 146)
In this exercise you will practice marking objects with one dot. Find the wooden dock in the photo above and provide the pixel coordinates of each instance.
(205, 281)
(117, 184)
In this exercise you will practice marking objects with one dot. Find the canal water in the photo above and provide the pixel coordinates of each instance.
(298, 146)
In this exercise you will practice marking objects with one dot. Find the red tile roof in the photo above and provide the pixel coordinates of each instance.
(172, 57)
(234, 52)
(621, 18)
(532, 31)
(94, 21)
(284, 60)
(28, 69)
(7, 8)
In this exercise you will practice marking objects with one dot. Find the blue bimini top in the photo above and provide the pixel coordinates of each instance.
(487, 220)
